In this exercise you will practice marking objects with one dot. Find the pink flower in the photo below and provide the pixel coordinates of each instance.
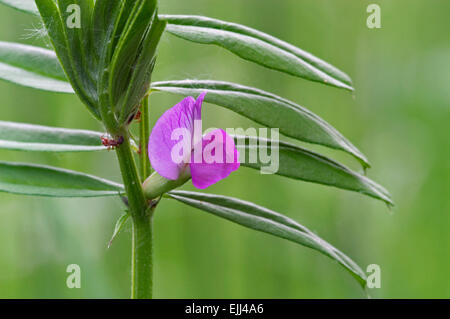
(177, 148)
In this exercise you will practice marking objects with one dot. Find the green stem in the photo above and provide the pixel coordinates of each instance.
(142, 260)
(144, 134)
(141, 215)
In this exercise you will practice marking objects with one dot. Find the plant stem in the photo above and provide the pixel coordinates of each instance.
(144, 133)
(142, 267)
(142, 260)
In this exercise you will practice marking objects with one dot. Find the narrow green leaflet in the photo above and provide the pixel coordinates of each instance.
(128, 49)
(243, 41)
(27, 6)
(70, 59)
(32, 66)
(78, 43)
(267, 109)
(109, 20)
(121, 222)
(298, 163)
(27, 137)
(258, 47)
(262, 219)
(145, 61)
(38, 180)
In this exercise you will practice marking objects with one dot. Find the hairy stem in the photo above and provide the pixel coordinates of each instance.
(141, 214)
(142, 258)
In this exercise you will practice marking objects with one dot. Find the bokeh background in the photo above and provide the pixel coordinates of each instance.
(398, 117)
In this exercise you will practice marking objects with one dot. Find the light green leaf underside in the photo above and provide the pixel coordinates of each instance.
(298, 163)
(262, 219)
(38, 180)
(33, 67)
(258, 47)
(27, 137)
(267, 109)
(27, 6)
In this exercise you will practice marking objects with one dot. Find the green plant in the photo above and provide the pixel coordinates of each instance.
(108, 63)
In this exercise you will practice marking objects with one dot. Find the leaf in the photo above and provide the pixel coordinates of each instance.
(121, 222)
(126, 33)
(69, 59)
(243, 41)
(27, 6)
(258, 47)
(142, 73)
(298, 163)
(267, 109)
(79, 44)
(262, 219)
(31, 66)
(38, 180)
(27, 137)
(127, 49)
(109, 19)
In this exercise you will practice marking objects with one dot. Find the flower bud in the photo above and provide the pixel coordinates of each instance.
(108, 55)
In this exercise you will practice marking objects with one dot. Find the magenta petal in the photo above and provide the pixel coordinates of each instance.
(219, 158)
(172, 138)
(160, 144)
(198, 106)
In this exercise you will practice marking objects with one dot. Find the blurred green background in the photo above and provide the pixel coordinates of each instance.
(398, 117)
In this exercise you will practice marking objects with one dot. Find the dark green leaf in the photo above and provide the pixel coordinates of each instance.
(262, 219)
(128, 48)
(298, 163)
(109, 19)
(38, 180)
(32, 67)
(26, 137)
(70, 60)
(257, 47)
(267, 109)
(142, 72)
(79, 42)
(128, 33)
